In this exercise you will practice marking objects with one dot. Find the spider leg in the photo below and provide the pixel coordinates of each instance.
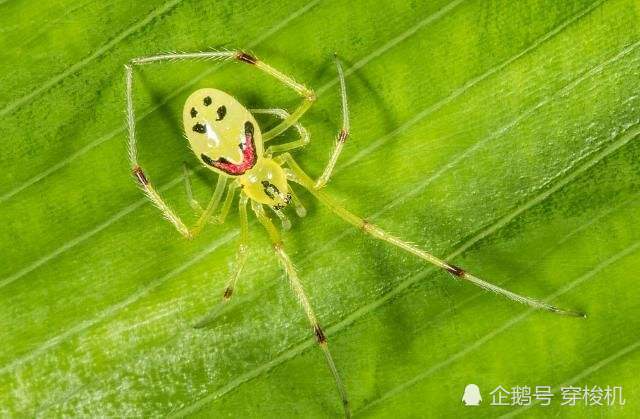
(299, 176)
(302, 298)
(151, 192)
(187, 186)
(302, 131)
(243, 247)
(226, 205)
(342, 135)
(178, 56)
(307, 94)
(300, 209)
(128, 69)
(241, 258)
(286, 223)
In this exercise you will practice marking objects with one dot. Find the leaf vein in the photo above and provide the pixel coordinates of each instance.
(80, 64)
(505, 326)
(368, 308)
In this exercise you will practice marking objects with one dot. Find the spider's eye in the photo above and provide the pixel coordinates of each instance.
(199, 128)
(207, 101)
(194, 113)
(222, 111)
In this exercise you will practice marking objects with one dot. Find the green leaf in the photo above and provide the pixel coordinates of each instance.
(500, 135)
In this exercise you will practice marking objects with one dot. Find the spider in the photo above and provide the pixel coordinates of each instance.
(225, 137)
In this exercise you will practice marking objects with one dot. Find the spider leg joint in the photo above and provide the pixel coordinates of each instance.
(342, 137)
(320, 337)
(246, 58)
(139, 174)
(310, 95)
(454, 270)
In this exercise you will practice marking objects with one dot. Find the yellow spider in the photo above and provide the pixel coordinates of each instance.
(226, 138)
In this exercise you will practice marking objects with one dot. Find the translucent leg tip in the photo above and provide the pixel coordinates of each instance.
(571, 313)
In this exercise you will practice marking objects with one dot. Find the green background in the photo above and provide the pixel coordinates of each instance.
(502, 135)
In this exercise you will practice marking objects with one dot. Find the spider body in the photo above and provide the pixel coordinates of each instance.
(225, 138)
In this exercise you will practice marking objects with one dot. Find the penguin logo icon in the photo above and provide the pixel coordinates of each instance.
(471, 396)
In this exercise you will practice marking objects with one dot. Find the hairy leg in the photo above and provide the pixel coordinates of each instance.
(302, 131)
(302, 298)
(299, 176)
(342, 135)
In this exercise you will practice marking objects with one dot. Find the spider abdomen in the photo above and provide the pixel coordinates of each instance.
(222, 133)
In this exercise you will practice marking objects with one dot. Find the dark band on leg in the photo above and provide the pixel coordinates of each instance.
(454, 270)
(139, 174)
(342, 137)
(320, 337)
(247, 58)
(227, 293)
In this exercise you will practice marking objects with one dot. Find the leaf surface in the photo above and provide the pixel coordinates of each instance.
(500, 135)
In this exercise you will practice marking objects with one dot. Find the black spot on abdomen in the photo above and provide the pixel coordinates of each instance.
(199, 128)
(222, 111)
(206, 159)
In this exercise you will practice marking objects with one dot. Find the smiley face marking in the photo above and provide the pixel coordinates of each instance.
(249, 156)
